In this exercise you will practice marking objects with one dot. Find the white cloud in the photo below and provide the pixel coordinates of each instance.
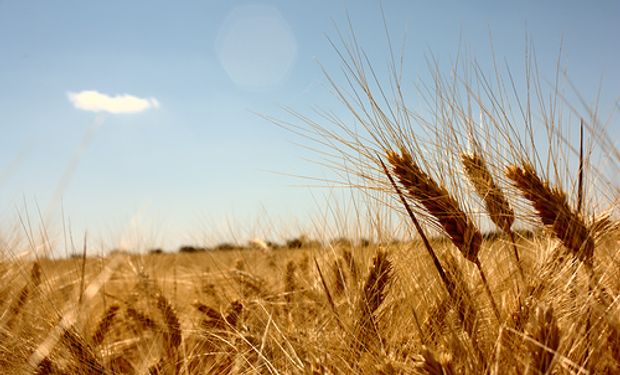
(94, 101)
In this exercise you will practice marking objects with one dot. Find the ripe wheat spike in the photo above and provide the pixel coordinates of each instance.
(553, 209)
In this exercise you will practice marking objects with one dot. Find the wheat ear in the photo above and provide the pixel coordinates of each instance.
(171, 319)
(445, 209)
(496, 203)
(233, 314)
(546, 339)
(448, 281)
(83, 353)
(498, 207)
(290, 283)
(438, 202)
(46, 367)
(551, 205)
(105, 324)
(172, 337)
(553, 209)
(143, 320)
(24, 294)
(373, 294)
(450, 287)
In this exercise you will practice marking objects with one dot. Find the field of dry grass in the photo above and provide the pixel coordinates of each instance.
(540, 296)
(343, 309)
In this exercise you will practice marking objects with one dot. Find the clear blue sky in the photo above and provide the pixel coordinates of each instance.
(193, 155)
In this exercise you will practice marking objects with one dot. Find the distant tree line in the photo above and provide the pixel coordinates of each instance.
(300, 242)
(303, 242)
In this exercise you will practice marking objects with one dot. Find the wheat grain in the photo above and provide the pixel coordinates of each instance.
(498, 207)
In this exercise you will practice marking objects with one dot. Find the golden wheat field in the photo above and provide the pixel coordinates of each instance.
(538, 300)
(340, 309)
(493, 247)
(538, 294)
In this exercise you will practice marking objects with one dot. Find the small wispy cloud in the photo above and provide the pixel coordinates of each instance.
(95, 101)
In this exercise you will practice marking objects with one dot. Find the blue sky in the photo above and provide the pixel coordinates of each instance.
(192, 160)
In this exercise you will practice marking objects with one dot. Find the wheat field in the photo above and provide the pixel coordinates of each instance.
(511, 263)
(339, 309)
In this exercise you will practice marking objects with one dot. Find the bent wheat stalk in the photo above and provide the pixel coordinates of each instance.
(455, 291)
(551, 205)
(450, 287)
